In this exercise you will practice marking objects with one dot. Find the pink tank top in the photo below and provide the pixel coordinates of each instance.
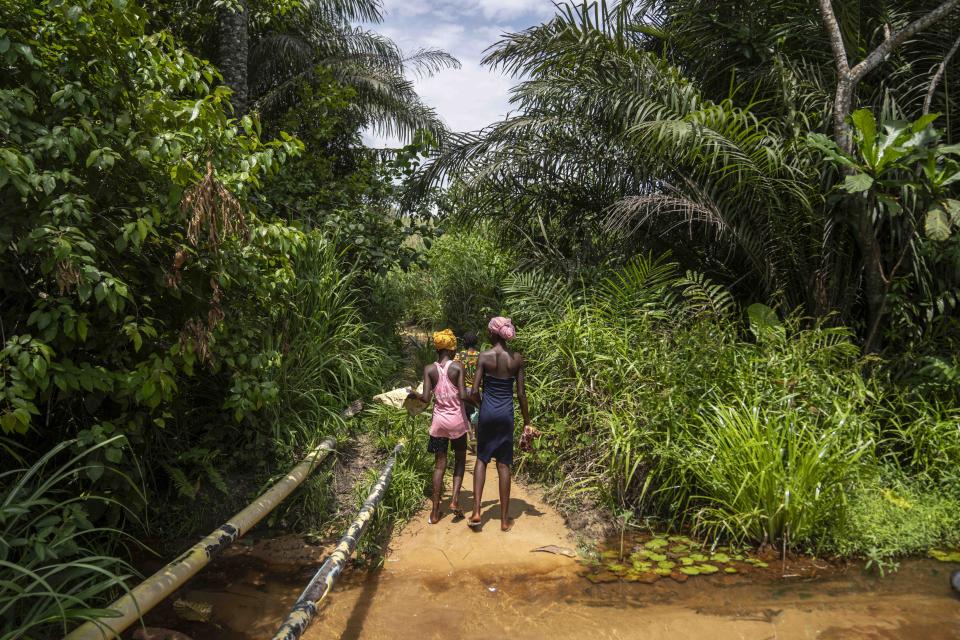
(449, 416)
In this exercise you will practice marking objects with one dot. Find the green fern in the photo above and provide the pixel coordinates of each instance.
(706, 297)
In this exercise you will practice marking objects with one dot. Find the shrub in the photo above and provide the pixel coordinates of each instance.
(654, 397)
(460, 284)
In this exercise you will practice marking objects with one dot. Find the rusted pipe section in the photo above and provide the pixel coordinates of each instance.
(160, 585)
(305, 608)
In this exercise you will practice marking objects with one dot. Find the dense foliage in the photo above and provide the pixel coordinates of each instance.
(628, 135)
(183, 284)
(202, 265)
(652, 396)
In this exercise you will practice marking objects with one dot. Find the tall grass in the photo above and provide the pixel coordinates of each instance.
(770, 475)
(656, 394)
(330, 356)
(56, 567)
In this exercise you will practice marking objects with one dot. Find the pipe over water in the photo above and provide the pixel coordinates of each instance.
(319, 586)
(138, 601)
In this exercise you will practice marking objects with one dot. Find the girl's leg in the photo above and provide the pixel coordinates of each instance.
(479, 475)
(440, 466)
(459, 464)
(503, 472)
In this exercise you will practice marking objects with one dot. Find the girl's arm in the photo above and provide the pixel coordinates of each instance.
(477, 377)
(427, 394)
(522, 394)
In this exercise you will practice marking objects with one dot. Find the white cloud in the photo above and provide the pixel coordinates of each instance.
(472, 97)
(514, 8)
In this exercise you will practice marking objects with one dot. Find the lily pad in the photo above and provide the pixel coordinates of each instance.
(698, 557)
(707, 569)
(616, 567)
(722, 558)
(679, 539)
(612, 554)
(658, 557)
(730, 570)
(760, 564)
(666, 564)
(690, 571)
(687, 561)
(680, 548)
(662, 572)
(656, 543)
(640, 553)
(642, 566)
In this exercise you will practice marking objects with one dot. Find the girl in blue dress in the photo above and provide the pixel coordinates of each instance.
(499, 372)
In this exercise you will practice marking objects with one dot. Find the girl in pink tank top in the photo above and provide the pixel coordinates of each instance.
(449, 415)
(443, 383)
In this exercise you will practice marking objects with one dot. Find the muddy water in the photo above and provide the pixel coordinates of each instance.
(445, 581)
(249, 600)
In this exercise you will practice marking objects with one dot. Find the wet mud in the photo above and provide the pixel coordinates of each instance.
(444, 581)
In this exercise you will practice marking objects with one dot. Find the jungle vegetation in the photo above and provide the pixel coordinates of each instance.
(727, 231)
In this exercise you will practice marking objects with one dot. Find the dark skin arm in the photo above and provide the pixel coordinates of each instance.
(428, 372)
(522, 392)
(477, 377)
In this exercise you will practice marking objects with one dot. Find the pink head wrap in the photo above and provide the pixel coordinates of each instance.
(503, 327)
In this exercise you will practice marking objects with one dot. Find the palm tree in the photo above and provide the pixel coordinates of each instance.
(265, 52)
(320, 35)
(687, 125)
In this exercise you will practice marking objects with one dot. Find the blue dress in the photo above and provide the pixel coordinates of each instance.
(495, 423)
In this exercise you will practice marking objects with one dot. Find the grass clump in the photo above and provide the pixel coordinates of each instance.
(57, 568)
(411, 474)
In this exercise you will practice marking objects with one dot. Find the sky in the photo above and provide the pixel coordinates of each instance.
(473, 96)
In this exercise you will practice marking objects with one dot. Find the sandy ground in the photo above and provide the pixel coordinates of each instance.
(446, 581)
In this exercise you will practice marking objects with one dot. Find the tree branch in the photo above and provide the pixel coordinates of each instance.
(873, 60)
(836, 37)
(938, 76)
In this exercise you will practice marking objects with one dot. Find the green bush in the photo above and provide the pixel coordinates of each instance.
(892, 517)
(460, 284)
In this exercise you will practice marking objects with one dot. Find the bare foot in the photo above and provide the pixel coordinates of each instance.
(474, 522)
(506, 525)
(434, 518)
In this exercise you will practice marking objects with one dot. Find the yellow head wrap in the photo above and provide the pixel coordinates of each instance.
(445, 340)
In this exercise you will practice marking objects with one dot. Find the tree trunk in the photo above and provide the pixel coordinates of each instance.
(233, 44)
(876, 284)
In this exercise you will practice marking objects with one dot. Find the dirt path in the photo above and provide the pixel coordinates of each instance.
(445, 581)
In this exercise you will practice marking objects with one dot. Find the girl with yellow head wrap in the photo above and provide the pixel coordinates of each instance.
(445, 340)
(443, 383)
